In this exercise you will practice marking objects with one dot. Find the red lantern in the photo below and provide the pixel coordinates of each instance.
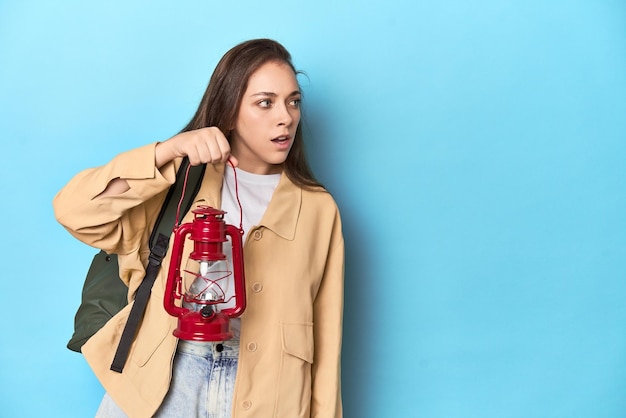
(202, 288)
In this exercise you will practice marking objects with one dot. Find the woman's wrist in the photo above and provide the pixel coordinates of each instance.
(163, 153)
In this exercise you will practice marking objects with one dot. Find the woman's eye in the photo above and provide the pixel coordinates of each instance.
(295, 103)
(265, 103)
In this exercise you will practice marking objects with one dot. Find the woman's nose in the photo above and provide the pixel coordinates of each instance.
(285, 118)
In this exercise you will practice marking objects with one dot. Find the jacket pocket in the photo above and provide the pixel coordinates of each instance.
(298, 340)
(294, 386)
(150, 335)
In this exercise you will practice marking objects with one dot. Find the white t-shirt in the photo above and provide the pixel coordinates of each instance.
(255, 192)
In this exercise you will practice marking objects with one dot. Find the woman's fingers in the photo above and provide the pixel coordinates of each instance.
(204, 146)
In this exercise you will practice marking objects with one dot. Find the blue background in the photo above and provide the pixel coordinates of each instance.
(476, 150)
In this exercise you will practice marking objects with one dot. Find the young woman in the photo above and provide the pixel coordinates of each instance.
(286, 350)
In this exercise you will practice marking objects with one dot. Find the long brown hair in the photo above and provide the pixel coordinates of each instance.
(222, 98)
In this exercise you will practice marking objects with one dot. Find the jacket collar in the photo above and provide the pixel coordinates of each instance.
(283, 210)
(281, 215)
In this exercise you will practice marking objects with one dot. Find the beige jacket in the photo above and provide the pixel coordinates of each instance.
(289, 364)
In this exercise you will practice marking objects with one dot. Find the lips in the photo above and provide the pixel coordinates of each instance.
(282, 143)
(281, 139)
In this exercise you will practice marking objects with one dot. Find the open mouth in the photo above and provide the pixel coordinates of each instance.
(281, 139)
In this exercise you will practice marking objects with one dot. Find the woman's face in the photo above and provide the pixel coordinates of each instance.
(267, 119)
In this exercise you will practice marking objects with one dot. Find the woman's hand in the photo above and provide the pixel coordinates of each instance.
(201, 146)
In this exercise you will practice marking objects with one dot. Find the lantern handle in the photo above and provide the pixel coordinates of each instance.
(238, 270)
(173, 276)
(237, 196)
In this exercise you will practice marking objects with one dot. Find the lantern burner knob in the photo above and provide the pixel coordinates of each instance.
(206, 311)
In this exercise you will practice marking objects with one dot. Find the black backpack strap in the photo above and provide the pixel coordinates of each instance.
(159, 242)
(139, 306)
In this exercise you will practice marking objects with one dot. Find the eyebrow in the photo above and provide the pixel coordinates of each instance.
(271, 94)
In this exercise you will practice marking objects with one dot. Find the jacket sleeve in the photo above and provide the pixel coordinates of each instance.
(115, 224)
(328, 318)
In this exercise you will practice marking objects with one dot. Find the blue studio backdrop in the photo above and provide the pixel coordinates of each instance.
(476, 150)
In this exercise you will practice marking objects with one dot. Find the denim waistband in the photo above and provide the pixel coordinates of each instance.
(229, 348)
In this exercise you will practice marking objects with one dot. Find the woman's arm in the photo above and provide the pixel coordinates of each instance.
(109, 214)
(106, 207)
(328, 318)
(206, 145)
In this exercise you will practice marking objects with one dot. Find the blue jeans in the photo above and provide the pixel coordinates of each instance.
(202, 383)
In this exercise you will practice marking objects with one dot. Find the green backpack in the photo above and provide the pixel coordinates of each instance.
(105, 294)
